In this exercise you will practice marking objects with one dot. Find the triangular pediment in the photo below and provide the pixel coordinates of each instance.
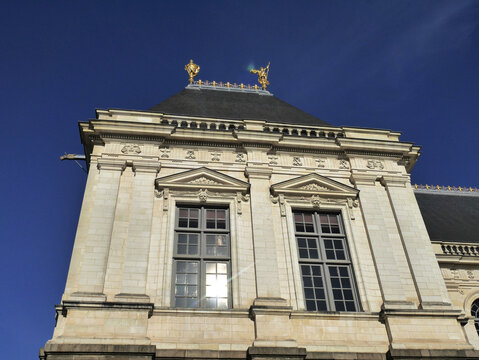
(201, 178)
(314, 184)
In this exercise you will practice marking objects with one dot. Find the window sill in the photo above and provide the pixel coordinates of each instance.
(335, 315)
(202, 312)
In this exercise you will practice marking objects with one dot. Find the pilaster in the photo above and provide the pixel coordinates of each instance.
(135, 265)
(270, 312)
(97, 232)
(387, 268)
(267, 280)
(424, 267)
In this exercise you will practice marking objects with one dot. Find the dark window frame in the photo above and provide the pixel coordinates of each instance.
(475, 314)
(202, 258)
(320, 285)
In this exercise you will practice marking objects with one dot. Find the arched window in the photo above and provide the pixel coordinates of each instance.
(475, 313)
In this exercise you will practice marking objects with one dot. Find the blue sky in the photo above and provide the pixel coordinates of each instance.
(410, 66)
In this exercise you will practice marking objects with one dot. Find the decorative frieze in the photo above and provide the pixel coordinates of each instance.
(343, 164)
(375, 164)
(320, 163)
(165, 152)
(297, 161)
(215, 156)
(190, 155)
(273, 160)
(240, 157)
(131, 149)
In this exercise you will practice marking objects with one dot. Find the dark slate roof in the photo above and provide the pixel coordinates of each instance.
(235, 105)
(450, 217)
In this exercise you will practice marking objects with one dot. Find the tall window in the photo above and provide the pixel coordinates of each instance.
(326, 270)
(475, 313)
(201, 261)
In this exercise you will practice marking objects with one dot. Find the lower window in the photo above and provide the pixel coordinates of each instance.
(201, 263)
(325, 264)
(475, 314)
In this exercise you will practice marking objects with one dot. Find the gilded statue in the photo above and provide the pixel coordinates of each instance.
(262, 75)
(192, 70)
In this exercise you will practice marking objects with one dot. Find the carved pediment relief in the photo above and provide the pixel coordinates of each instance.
(314, 184)
(202, 178)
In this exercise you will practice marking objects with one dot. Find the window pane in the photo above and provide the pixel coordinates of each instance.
(308, 248)
(341, 286)
(216, 285)
(217, 245)
(210, 214)
(222, 303)
(210, 267)
(298, 218)
(187, 244)
(222, 268)
(186, 289)
(313, 287)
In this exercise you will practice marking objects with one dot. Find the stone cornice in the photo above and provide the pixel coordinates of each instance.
(400, 148)
(347, 141)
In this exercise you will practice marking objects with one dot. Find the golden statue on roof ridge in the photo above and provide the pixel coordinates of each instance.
(192, 70)
(262, 75)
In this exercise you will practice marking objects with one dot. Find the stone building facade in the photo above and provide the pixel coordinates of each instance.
(224, 223)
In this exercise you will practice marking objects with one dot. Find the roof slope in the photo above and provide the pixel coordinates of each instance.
(235, 105)
(450, 217)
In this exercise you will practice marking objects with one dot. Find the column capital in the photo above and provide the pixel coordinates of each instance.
(363, 178)
(111, 164)
(146, 166)
(258, 172)
(395, 181)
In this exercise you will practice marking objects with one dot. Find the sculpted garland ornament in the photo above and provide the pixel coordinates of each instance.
(313, 187)
(204, 181)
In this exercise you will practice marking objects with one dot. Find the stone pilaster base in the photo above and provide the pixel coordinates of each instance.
(97, 352)
(432, 354)
(276, 353)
